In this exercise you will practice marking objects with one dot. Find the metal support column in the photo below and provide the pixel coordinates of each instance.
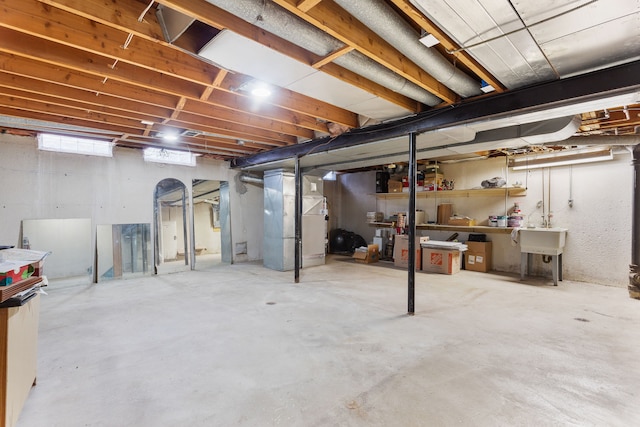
(412, 224)
(634, 267)
(298, 220)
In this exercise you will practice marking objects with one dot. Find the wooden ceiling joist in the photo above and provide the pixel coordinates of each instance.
(334, 20)
(221, 19)
(423, 22)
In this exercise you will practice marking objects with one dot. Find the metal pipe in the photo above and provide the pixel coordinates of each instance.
(298, 220)
(251, 179)
(381, 17)
(634, 267)
(278, 21)
(412, 224)
(570, 94)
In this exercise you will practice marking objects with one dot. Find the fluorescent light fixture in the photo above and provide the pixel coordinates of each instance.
(75, 145)
(174, 157)
(561, 158)
(429, 40)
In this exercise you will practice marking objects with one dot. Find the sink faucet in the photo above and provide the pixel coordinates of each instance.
(546, 220)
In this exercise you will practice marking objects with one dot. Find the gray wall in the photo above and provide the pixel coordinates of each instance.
(45, 185)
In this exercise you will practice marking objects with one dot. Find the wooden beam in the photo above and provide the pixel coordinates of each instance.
(216, 83)
(306, 5)
(333, 20)
(17, 46)
(177, 110)
(332, 56)
(447, 42)
(221, 19)
(152, 55)
(56, 25)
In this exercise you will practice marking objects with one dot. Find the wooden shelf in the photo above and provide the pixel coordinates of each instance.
(475, 192)
(437, 227)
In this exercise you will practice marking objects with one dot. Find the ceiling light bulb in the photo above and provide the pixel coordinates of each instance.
(170, 137)
(261, 91)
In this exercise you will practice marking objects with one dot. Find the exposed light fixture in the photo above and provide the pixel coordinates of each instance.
(486, 87)
(429, 40)
(146, 122)
(240, 142)
(561, 158)
(260, 90)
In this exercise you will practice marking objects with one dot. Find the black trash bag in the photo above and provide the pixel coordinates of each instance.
(344, 242)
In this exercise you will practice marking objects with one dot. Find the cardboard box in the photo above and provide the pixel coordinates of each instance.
(395, 186)
(467, 222)
(440, 261)
(372, 254)
(478, 256)
(401, 252)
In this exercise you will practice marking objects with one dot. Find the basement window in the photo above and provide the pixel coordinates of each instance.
(174, 157)
(75, 145)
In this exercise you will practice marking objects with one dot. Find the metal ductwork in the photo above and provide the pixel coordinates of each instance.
(251, 179)
(274, 19)
(378, 15)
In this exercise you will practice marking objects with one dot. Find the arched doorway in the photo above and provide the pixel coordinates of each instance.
(171, 224)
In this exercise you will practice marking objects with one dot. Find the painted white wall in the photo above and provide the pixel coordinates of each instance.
(45, 185)
(205, 235)
(247, 217)
(598, 247)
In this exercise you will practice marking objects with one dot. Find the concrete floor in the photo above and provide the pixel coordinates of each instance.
(243, 345)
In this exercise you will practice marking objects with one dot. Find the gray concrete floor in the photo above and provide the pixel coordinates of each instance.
(243, 345)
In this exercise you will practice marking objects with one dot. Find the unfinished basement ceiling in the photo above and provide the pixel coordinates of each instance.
(133, 71)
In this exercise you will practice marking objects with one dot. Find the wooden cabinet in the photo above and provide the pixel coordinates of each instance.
(18, 357)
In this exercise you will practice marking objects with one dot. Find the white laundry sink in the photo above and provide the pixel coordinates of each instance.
(545, 241)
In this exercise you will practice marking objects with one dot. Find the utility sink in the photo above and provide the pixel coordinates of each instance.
(545, 241)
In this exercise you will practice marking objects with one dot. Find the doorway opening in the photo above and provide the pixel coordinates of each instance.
(210, 234)
(171, 225)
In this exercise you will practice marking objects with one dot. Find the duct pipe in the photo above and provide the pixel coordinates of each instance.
(634, 267)
(379, 16)
(276, 20)
(251, 179)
